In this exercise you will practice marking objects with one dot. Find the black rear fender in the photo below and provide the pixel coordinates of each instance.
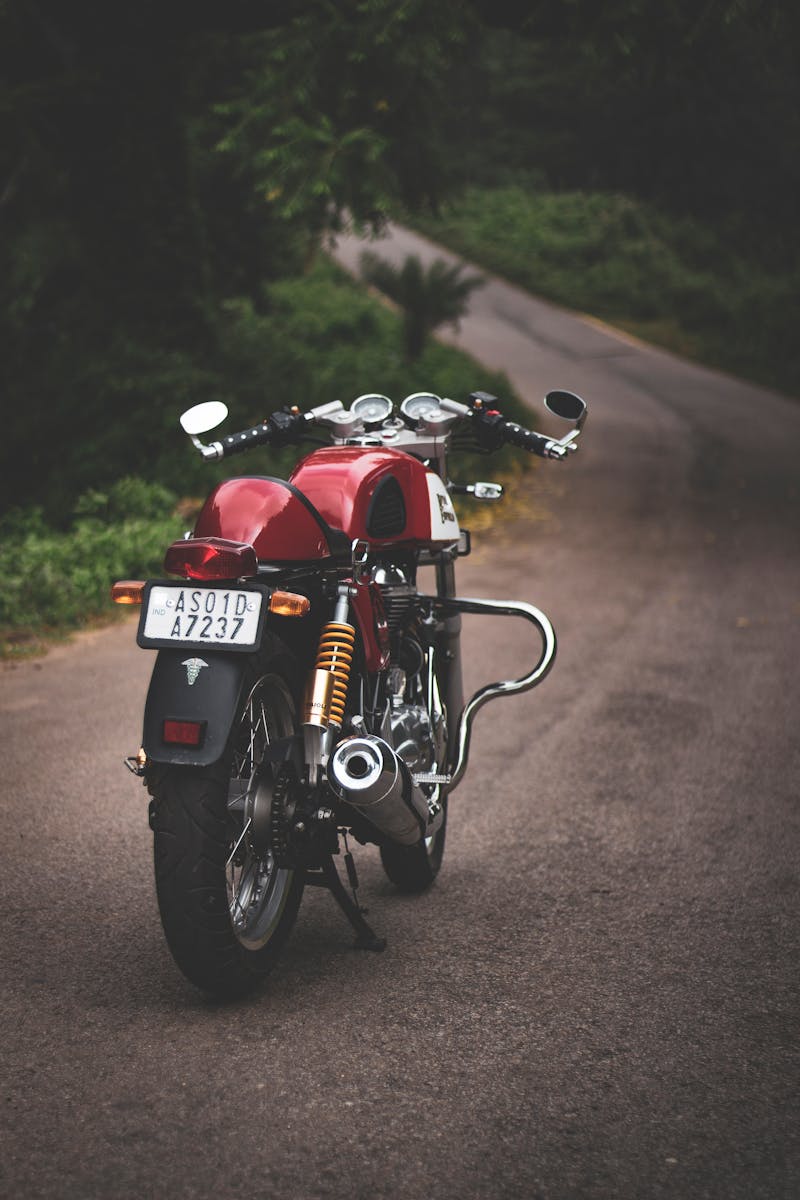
(190, 686)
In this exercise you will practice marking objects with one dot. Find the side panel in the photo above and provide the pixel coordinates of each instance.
(444, 522)
(189, 686)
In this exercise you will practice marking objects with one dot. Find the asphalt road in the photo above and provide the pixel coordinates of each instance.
(599, 998)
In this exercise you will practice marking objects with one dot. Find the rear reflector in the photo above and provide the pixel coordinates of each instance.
(184, 733)
(127, 591)
(211, 558)
(289, 604)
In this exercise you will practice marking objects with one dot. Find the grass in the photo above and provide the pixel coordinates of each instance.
(703, 292)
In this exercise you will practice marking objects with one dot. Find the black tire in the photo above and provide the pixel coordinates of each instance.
(414, 868)
(225, 918)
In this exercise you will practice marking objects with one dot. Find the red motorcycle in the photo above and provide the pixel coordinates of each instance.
(304, 690)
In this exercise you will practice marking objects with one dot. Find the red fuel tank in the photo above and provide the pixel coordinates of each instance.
(334, 496)
(382, 496)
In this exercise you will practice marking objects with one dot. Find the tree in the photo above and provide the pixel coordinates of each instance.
(428, 298)
(158, 160)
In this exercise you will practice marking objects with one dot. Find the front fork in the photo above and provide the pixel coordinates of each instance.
(448, 644)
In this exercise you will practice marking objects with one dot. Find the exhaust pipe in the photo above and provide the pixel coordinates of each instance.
(366, 772)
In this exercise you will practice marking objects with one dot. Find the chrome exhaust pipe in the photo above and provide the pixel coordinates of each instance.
(365, 771)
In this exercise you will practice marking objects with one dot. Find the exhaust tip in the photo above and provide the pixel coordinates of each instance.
(358, 764)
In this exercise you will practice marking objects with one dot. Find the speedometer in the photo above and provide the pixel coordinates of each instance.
(372, 408)
(420, 405)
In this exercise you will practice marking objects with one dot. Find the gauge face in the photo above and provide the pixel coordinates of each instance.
(419, 405)
(372, 407)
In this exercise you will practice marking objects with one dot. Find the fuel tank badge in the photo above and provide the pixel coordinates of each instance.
(193, 668)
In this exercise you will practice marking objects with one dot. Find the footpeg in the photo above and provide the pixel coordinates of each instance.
(136, 763)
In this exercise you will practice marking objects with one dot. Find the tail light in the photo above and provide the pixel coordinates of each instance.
(183, 733)
(211, 558)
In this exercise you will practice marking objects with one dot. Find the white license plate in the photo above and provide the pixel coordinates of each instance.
(201, 616)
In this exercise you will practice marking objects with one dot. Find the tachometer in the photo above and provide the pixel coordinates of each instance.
(372, 408)
(420, 405)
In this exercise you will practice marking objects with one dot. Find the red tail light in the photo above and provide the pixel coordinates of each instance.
(184, 733)
(211, 558)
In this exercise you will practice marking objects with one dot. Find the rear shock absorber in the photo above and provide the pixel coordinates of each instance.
(335, 655)
(326, 689)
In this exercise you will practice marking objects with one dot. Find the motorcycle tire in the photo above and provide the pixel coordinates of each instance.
(226, 909)
(414, 868)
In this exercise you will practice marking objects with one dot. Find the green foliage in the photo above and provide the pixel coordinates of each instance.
(694, 106)
(157, 161)
(429, 298)
(54, 578)
(315, 339)
(339, 109)
(674, 280)
(323, 338)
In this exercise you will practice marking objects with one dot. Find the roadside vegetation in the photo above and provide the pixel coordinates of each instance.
(427, 297)
(55, 580)
(321, 339)
(701, 290)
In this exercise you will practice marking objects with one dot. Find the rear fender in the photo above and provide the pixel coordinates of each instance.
(189, 686)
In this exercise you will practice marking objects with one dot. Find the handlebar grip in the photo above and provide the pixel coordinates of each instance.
(235, 443)
(526, 439)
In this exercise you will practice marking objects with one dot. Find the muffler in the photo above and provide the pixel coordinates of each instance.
(365, 771)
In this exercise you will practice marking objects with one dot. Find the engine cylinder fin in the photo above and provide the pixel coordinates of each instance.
(398, 600)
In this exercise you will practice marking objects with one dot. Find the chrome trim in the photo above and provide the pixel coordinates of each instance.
(507, 687)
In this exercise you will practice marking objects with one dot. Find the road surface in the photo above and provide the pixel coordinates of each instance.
(599, 998)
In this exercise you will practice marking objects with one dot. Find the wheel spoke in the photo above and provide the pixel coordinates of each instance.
(239, 841)
(256, 888)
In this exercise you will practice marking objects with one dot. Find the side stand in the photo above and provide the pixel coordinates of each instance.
(328, 877)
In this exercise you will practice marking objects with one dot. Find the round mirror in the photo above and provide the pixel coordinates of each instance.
(203, 417)
(566, 405)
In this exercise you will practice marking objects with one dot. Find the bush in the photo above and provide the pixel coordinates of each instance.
(53, 579)
(699, 290)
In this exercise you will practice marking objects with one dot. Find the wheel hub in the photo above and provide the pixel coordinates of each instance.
(265, 808)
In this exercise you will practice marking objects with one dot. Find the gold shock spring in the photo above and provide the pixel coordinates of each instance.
(335, 654)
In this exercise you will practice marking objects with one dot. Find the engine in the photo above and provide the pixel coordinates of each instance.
(399, 597)
(412, 733)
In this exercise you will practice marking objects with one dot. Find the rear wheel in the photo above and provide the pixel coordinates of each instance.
(226, 906)
(414, 868)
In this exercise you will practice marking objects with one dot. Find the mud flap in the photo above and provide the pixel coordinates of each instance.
(188, 687)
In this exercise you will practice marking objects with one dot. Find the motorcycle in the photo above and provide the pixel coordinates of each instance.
(304, 690)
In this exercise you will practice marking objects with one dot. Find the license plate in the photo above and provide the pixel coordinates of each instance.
(175, 614)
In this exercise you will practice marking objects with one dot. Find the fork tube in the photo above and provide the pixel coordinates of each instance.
(449, 665)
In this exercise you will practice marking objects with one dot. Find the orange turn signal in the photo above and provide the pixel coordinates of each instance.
(128, 591)
(289, 604)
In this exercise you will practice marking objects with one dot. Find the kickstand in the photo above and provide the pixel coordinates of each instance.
(328, 877)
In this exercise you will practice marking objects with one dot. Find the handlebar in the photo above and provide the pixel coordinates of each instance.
(493, 430)
(235, 443)
(534, 443)
(489, 425)
(279, 429)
